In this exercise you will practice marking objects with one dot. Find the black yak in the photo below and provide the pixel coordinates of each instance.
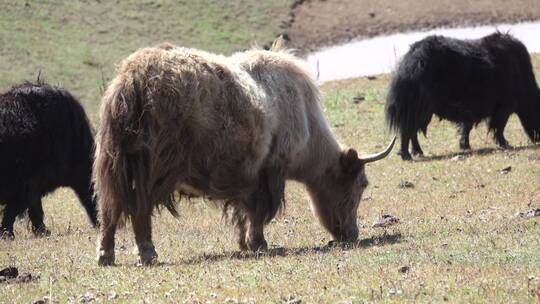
(234, 129)
(463, 81)
(45, 143)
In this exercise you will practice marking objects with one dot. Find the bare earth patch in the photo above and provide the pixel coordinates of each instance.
(319, 23)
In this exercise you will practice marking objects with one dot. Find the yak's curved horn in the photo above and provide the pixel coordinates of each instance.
(377, 156)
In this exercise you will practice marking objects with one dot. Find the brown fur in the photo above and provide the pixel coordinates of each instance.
(230, 128)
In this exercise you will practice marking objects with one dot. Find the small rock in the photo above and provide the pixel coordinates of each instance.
(530, 213)
(405, 184)
(394, 291)
(9, 273)
(385, 221)
(113, 295)
(359, 98)
(458, 157)
(404, 269)
(294, 301)
(372, 15)
(87, 298)
(506, 170)
(26, 278)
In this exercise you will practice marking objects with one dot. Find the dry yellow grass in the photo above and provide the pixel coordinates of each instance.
(459, 233)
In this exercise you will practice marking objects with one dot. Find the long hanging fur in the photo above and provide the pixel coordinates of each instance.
(157, 117)
(123, 150)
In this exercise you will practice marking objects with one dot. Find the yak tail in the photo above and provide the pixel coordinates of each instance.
(122, 166)
(406, 110)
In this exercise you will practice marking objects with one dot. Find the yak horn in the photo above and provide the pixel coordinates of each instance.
(377, 156)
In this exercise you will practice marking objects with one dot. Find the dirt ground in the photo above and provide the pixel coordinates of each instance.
(316, 23)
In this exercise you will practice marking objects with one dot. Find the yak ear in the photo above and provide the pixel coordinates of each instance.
(349, 161)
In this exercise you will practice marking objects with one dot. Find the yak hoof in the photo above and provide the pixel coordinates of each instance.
(465, 147)
(418, 153)
(505, 146)
(405, 155)
(147, 257)
(6, 234)
(242, 244)
(41, 231)
(257, 245)
(105, 258)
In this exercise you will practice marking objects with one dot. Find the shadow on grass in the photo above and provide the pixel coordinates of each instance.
(381, 240)
(480, 152)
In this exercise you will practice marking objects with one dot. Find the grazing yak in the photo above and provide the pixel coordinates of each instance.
(45, 143)
(463, 81)
(178, 121)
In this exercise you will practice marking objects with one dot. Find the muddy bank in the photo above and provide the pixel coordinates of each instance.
(316, 23)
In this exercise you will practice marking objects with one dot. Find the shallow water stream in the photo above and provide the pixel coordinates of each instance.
(380, 54)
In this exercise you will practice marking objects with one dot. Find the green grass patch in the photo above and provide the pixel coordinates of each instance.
(76, 44)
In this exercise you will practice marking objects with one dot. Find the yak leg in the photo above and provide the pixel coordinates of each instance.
(265, 203)
(498, 123)
(250, 224)
(15, 206)
(142, 227)
(416, 150)
(10, 213)
(464, 131)
(36, 217)
(242, 230)
(404, 150)
(255, 233)
(106, 242)
(258, 209)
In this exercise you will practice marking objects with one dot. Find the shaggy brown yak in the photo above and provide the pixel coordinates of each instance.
(230, 128)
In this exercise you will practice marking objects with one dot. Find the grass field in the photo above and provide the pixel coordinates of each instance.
(459, 238)
(77, 43)
(459, 233)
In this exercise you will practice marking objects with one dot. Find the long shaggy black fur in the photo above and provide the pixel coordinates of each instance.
(45, 142)
(463, 81)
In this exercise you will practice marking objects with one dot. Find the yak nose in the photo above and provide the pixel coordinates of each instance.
(347, 234)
